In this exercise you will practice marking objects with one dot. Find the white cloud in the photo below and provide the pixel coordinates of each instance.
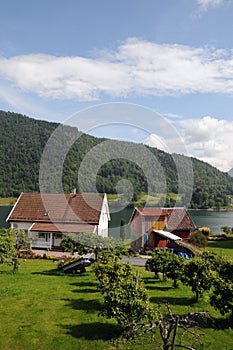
(136, 67)
(210, 140)
(205, 5)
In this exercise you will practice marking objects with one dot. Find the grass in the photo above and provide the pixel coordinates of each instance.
(222, 248)
(40, 308)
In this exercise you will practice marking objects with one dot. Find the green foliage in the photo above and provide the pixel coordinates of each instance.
(198, 274)
(175, 268)
(68, 244)
(125, 297)
(158, 263)
(67, 314)
(226, 229)
(91, 240)
(222, 297)
(8, 240)
(198, 239)
(22, 241)
(23, 139)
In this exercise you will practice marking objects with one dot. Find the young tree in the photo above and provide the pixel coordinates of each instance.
(125, 297)
(222, 297)
(158, 263)
(175, 268)
(8, 241)
(68, 244)
(198, 274)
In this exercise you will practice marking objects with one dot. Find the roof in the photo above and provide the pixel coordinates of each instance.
(168, 235)
(176, 218)
(150, 211)
(65, 208)
(71, 228)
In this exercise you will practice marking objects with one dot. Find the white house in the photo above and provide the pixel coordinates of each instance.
(48, 217)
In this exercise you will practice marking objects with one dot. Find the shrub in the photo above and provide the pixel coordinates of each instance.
(205, 231)
(198, 239)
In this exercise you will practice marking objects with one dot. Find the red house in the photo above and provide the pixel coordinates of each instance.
(155, 227)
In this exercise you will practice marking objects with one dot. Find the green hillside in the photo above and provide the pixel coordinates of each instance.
(22, 140)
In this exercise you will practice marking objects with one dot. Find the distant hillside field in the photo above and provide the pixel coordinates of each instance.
(22, 140)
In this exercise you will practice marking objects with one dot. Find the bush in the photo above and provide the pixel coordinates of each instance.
(198, 239)
(205, 231)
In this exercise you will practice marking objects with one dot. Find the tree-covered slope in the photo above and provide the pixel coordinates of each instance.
(22, 140)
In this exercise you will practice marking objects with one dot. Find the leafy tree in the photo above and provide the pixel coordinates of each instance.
(125, 297)
(198, 274)
(22, 241)
(7, 246)
(158, 263)
(226, 229)
(68, 244)
(222, 297)
(175, 268)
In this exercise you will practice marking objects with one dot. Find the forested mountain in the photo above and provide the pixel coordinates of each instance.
(230, 172)
(22, 140)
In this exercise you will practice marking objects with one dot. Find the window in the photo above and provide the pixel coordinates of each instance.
(15, 226)
(58, 235)
(41, 235)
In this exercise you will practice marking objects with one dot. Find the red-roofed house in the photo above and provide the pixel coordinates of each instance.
(48, 217)
(150, 227)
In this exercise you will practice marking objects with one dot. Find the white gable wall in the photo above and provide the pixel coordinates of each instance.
(104, 219)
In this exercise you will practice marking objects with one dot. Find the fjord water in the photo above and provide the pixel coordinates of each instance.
(214, 219)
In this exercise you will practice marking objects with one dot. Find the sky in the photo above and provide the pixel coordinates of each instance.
(172, 57)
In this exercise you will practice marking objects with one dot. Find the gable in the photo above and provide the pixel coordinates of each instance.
(159, 218)
(178, 219)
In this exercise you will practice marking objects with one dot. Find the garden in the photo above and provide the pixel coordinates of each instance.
(44, 309)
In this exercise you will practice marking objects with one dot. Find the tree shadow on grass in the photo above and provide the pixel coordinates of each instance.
(84, 287)
(83, 304)
(53, 272)
(218, 323)
(84, 284)
(161, 288)
(94, 331)
(59, 272)
(173, 301)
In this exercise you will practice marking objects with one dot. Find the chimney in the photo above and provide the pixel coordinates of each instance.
(74, 192)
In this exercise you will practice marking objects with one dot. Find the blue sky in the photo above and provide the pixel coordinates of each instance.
(174, 57)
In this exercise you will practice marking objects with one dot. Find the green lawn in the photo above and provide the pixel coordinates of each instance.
(40, 308)
(222, 248)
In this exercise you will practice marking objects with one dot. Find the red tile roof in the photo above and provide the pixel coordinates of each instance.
(63, 208)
